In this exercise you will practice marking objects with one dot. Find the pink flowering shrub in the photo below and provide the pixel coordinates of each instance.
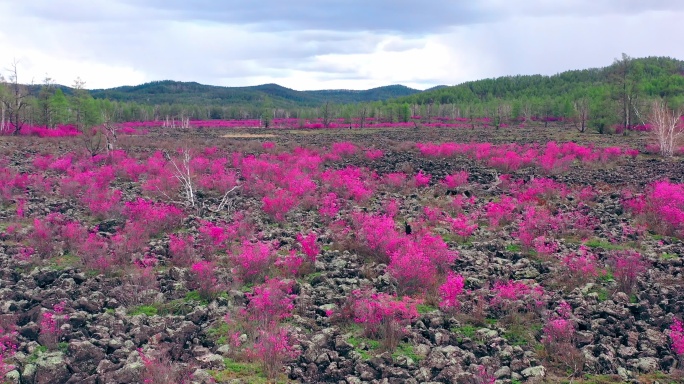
(343, 149)
(373, 154)
(436, 251)
(157, 217)
(377, 234)
(43, 237)
(463, 226)
(182, 250)
(329, 206)
(581, 265)
(456, 180)
(661, 207)
(395, 181)
(421, 179)
(204, 279)
(159, 369)
(273, 347)
(309, 246)
(391, 208)
(253, 260)
(627, 266)
(383, 316)
(500, 213)
(677, 337)
(269, 303)
(351, 182)
(449, 292)
(8, 347)
(278, 204)
(50, 325)
(290, 264)
(558, 334)
(413, 269)
(516, 296)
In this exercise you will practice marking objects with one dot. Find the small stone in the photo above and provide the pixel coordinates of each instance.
(538, 371)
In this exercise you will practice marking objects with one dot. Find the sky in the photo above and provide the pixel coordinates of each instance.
(326, 44)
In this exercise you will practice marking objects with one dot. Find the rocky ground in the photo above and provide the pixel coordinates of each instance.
(114, 318)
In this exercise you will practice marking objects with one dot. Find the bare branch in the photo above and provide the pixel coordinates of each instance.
(667, 126)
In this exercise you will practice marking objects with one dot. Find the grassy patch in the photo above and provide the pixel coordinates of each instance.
(220, 332)
(425, 308)
(311, 276)
(465, 330)
(61, 263)
(244, 372)
(606, 277)
(598, 243)
(147, 310)
(406, 349)
(33, 357)
(668, 256)
(522, 334)
(513, 248)
(194, 296)
(365, 347)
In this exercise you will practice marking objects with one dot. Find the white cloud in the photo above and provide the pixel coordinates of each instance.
(117, 42)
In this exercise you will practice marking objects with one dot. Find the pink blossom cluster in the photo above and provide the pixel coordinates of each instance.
(374, 311)
(677, 337)
(450, 291)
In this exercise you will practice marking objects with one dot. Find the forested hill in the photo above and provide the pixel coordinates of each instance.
(650, 76)
(192, 93)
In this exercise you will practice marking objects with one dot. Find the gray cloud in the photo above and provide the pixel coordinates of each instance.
(332, 41)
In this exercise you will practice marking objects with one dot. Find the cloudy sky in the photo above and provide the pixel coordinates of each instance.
(326, 44)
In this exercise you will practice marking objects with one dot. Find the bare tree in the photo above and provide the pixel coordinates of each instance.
(667, 126)
(184, 175)
(4, 124)
(581, 107)
(327, 114)
(110, 130)
(93, 140)
(363, 111)
(14, 99)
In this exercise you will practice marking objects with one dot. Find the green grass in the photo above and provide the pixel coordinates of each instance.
(147, 310)
(242, 371)
(311, 276)
(465, 330)
(606, 277)
(63, 346)
(668, 256)
(598, 243)
(372, 346)
(33, 357)
(513, 248)
(61, 263)
(425, 308)
(194, 296)
(490, 321)
(406, 349)
(220, 333)
(522, 334)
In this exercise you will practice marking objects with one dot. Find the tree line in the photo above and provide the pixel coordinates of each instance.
(620, 95)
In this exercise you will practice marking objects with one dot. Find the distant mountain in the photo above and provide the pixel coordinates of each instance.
(344, 96)
(653, 76)
(176, 92)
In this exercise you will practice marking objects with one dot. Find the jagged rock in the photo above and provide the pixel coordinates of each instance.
(647, 364)
(84, 357)
(503, 373)
(365, 372)
(48, 368)
(538, 371)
